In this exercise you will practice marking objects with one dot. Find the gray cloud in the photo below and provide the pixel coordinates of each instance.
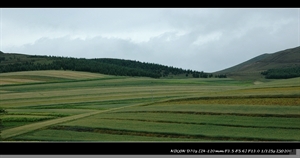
(200, 39)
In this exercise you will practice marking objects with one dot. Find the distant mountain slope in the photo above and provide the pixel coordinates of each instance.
(245, 65)
(253, 67)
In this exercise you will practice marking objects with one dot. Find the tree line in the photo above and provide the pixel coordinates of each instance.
(119, 67)
(282, 73)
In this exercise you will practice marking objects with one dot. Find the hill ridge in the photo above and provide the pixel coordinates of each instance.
(12, 62)
(287, 58)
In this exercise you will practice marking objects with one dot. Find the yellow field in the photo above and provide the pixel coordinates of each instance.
(56, 73)
(24, 76)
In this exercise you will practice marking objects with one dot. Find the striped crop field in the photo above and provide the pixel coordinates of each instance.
(81, 106)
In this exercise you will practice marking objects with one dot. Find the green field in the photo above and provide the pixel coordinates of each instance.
(81, 106)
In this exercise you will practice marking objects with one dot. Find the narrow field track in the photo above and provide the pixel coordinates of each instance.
(35, 126)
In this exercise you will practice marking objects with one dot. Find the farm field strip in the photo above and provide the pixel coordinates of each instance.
(221, 113)
(110, 82)
(280, 83)
(34, 126)
(20, 79)
(69, 97)
(56, 73)
(186, 129)
(195, 123)
(95, 91)
(71, 135)
(114, 81)
(283, 101)
(159, 134)
(72, 99)
(218, 109)
(102, 104)
(32, 77)
(208, 119)
(55, 85)
(12, 122)
(24, 99)
(4, 81)
(21, 116)
(288, 90)
(48, 112)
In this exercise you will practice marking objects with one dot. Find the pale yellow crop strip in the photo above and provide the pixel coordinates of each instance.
(15, 81)
(56, 73)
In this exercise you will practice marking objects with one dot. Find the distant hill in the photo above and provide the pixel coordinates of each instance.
(12, 62)
(281, 64)
(285, 59)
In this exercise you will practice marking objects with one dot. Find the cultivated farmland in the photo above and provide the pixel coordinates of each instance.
(81, 106)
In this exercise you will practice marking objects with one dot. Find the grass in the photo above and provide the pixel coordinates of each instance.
(226, 120)
(69, 135)
(24, 118)
(258, 100)
(81, 106)
(11, 121)
(200, 130)
(218, 109)
(35, 126)
(8, 125)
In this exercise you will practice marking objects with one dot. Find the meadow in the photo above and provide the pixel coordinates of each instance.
(82, 106)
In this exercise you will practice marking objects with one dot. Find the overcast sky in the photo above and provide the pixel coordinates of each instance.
(202, 39)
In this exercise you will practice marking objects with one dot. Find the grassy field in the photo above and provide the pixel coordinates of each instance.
(81, 106)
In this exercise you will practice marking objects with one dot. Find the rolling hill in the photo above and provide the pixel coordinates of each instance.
(289, 58)
(13, 62)
(260, 67)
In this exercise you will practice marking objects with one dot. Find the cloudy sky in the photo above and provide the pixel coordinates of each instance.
(202, 39)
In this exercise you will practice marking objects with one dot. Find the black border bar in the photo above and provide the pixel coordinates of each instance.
(148, 148)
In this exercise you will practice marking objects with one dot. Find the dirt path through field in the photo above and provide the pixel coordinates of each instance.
(34, 126)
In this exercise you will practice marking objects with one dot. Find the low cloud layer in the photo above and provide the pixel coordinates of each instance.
(198, 39)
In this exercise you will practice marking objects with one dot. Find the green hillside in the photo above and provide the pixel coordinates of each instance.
(252, 69)
(13, 62)
(245, 65)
